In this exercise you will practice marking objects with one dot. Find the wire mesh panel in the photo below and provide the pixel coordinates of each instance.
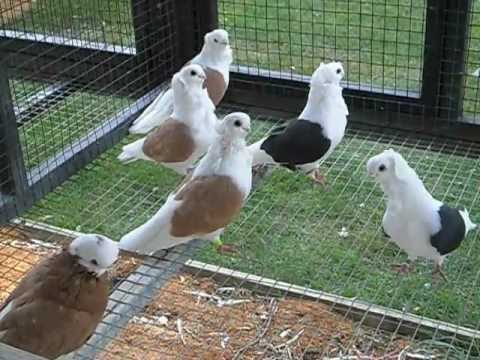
(380, 42)
(471, 100)
(85, 21)
(313, 276)
(77, 74)
(294, 238)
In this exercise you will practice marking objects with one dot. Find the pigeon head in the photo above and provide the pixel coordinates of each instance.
(390, 166)
(95, 252)
(217, 39)
(235, 125)
(331, 73)
(190, 76)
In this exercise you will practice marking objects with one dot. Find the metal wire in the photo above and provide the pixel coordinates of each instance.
(295, 240)
(313, 224)
(380, 43)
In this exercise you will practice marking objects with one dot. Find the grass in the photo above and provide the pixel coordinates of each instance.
(290, 229)
(64, 123)
(106, 21)
(379, 42)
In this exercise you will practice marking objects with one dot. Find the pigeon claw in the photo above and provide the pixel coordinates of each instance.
(222, 248)
(438, 272)
(403, 268)
(318, 178)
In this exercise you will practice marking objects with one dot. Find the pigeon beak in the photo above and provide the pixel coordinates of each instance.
(224, 43)
(203, 77)
(246, 128)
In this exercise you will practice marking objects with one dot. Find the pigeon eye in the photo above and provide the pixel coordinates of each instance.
(94, 262)
(237, 123)
(216, 40)
(339, 71)
(382, 168)
(193, 73)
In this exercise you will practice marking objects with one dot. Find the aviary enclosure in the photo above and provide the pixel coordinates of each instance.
(313, 277)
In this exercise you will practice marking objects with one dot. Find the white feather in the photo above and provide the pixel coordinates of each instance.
(155, 114)
(217, 58)
(469, 225)
(133, 152)
(193, 107)
(226, 156)
(154, 234)
(412, 214)
(325, 106)
(258, 155)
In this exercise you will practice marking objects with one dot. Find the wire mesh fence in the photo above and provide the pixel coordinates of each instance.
(331, 242)
(381, 43)
(313, 277)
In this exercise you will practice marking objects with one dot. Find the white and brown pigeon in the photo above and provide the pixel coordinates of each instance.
(302, 143)
(186, 136)
(208, 201)
(414, 220)
(59, 303)
(215, 58)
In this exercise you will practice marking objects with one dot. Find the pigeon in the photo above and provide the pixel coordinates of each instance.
(186, 136)
(418, 223)
(208, 201)
(59, 303)
(304, 142)
(215, 58)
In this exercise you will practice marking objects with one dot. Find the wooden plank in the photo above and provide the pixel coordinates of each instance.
(368, 314)
(8, 352)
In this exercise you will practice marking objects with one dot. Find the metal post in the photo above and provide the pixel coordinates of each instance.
(147, 20)
(185, 28)
(446, 38)
(207, 13)
(13, 179)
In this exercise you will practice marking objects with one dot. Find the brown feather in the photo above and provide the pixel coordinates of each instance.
(56, 308)
(216, 86)
(209, 203)
(169, 143)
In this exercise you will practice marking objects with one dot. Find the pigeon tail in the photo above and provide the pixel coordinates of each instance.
(155, 114)
(133, 152)
(469, 225)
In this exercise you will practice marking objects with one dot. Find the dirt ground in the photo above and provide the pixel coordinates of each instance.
(198, 319)
(13, 9)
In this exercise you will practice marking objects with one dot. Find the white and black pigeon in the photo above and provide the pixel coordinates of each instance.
(186, 136)
(215, 58)
(207, 202)
(418, 223)
(302, 143)
(59, 303)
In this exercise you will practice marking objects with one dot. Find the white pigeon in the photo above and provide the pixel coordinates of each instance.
(208, 201)
(186, 136)
(59, 303)
(304, 142)
(215, 58)
(419, 224)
